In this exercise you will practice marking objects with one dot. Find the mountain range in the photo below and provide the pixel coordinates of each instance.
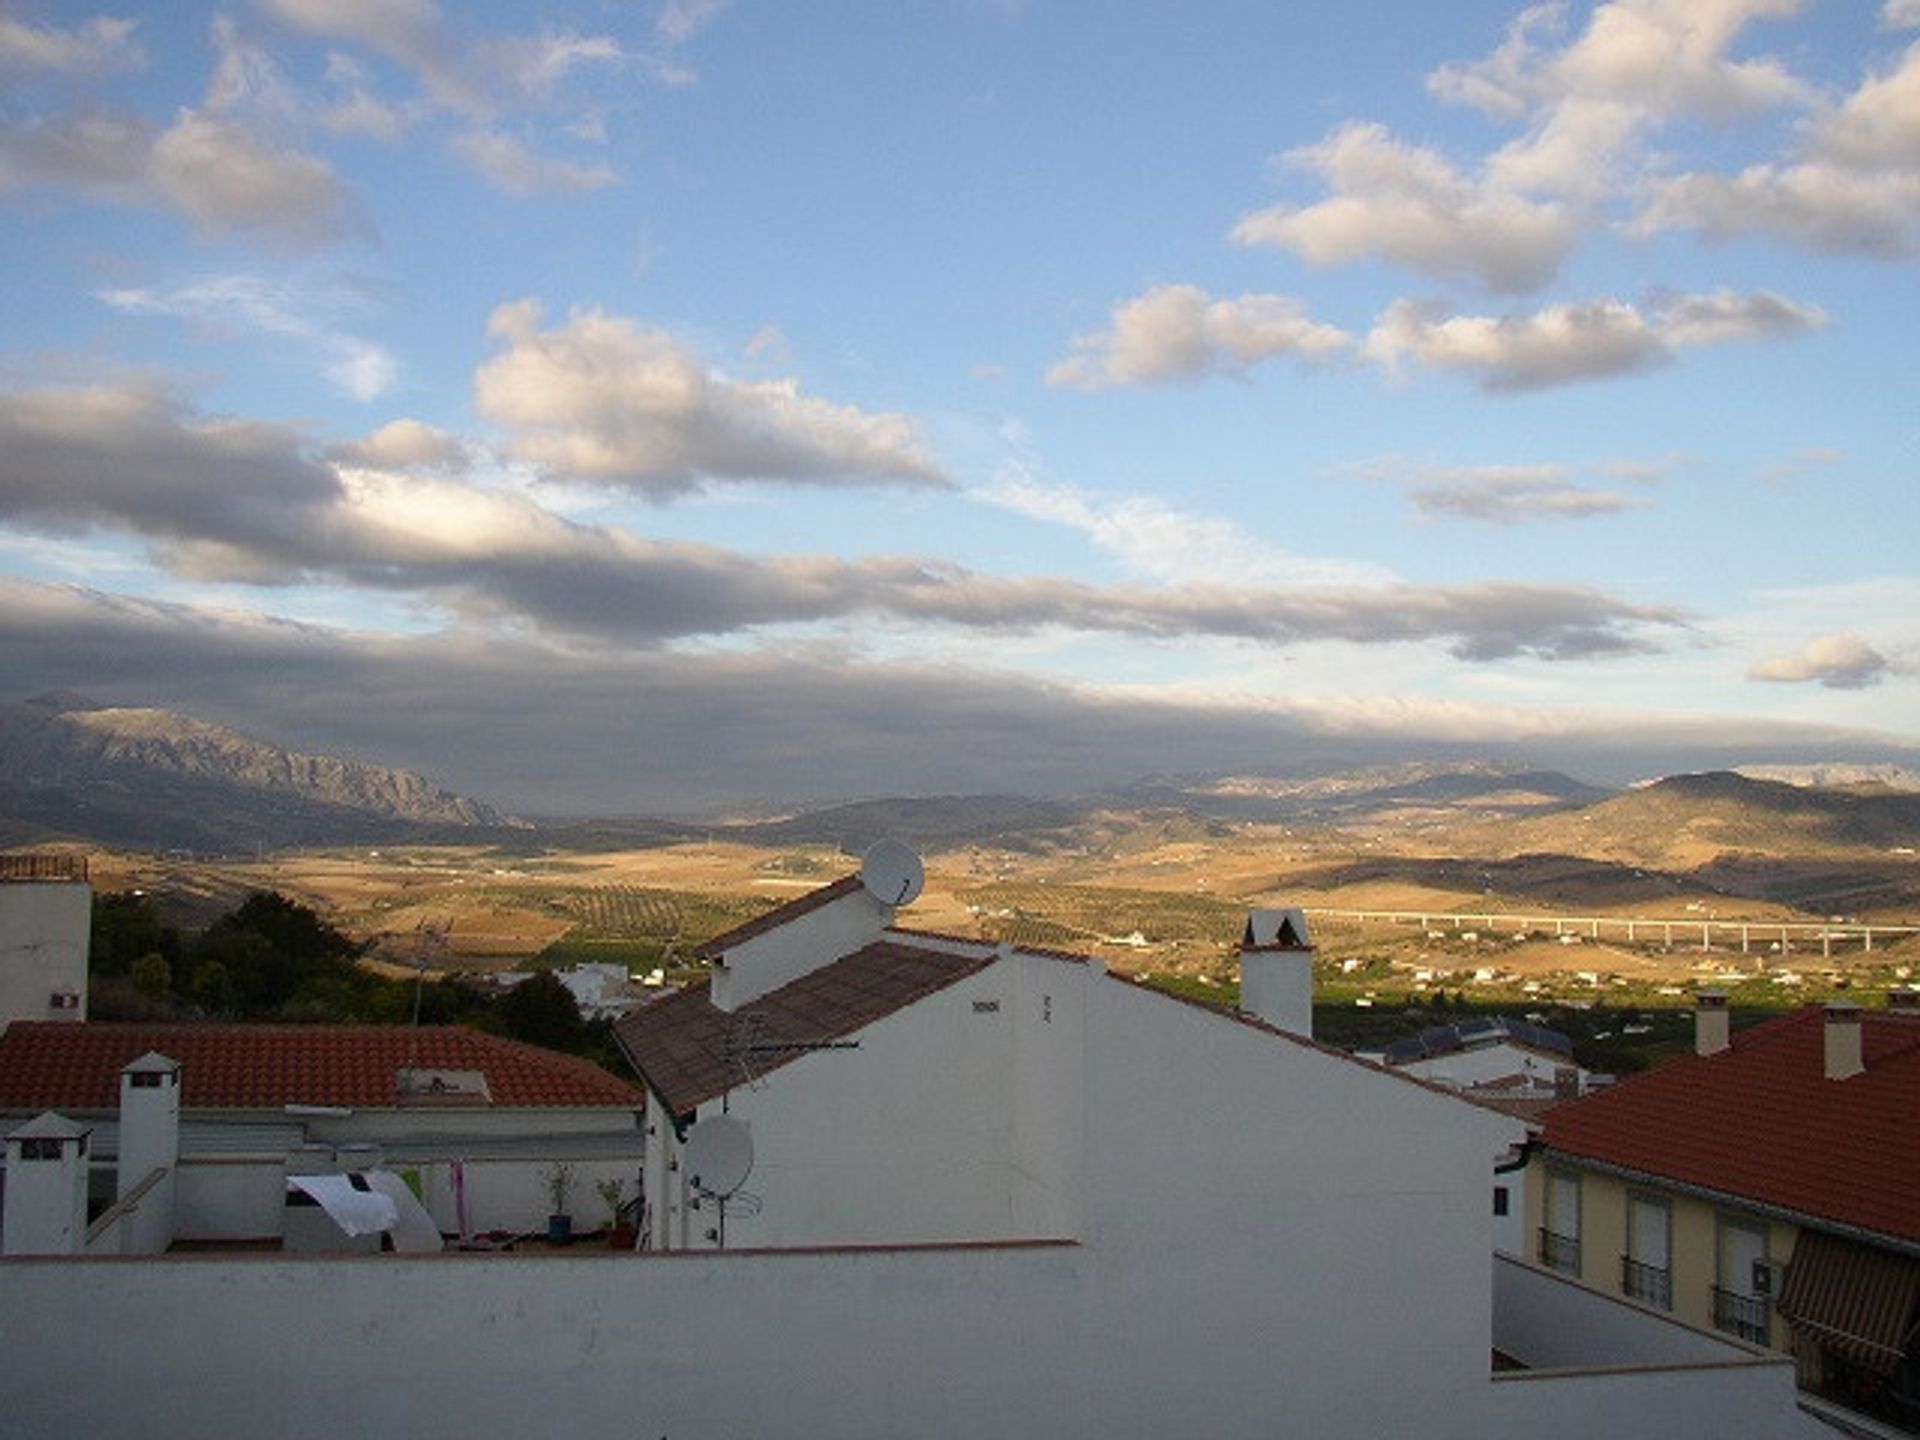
(148, 779)
(153, 780)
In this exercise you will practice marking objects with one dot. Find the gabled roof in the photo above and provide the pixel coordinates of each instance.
(1760, 1121)
(776, 917)
(688, 1050)
(1477, 1032)
(50, 1065)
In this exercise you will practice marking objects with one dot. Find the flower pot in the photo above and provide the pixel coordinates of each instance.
(622, 1236)
(560, 1229)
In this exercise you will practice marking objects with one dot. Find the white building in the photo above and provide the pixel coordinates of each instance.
(477, 1120)
(990, 1192)
(46, 917)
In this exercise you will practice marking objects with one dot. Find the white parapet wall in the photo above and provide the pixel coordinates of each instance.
(945, 1343)
(44, 930)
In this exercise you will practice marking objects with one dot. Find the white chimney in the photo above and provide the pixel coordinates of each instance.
(150, 1141)
(46, 1211)
(1712, 1023)
(1843, 1054)
(1276, 970)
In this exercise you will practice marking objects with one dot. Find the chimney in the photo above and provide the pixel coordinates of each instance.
(1712, 1025)
(1843, 1056)
(46, 1212)
(1276, 970)
(150, 1141)
(1904, 1001)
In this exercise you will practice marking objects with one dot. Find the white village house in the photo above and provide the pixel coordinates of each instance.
(477, 1122)
(907, 1184)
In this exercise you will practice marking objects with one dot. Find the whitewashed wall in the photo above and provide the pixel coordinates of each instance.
(1273, 1241)
(44, 927)
(944, 1344)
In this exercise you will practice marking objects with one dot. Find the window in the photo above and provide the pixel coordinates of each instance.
(1560, 1236)
(1499, 1200)
(1646, 1270)
(1738, 1306)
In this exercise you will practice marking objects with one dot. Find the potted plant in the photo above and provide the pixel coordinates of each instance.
(559, 1218)
(620, 1231)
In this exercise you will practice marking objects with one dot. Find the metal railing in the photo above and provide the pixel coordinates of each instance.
(1560, 1252)
(1742, 1315)
(28, 865)
(1649, 1284)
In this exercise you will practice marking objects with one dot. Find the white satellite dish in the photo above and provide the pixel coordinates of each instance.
(718, 1155)
(892, 872)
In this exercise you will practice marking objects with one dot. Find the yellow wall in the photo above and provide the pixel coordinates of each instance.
(1695, 1238)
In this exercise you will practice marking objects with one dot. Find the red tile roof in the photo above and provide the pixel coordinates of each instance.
(1761, 1121)
(777, 916)
(53, 1066)
(686, 1049)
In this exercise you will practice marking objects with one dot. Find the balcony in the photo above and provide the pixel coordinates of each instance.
(1742, 1315)
(1649, 1284)
(1560, 1252)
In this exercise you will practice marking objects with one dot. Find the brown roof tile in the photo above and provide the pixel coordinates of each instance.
(687, 1050)
(51, 1065)
(1761, 1121)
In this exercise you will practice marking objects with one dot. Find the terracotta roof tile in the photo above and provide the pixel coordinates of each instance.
(680, 1044)
(51, 1065)
(1761, 1121)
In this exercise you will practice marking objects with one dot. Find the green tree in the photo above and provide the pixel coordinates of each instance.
(126, 926)
(153, 976)
(540, 1011)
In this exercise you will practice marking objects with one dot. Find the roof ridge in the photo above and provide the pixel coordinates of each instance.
(779, 915)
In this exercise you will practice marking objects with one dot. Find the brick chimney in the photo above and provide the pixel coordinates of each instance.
(1843, 1055)
(1712, 1024)
(1276, 970)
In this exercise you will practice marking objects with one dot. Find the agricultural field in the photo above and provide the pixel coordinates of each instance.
(1167, 903)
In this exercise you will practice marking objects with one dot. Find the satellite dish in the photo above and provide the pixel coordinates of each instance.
(718, 1155)
(892, 872)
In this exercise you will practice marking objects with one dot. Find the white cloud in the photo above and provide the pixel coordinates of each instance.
(1567, 344)
(1855, 186)
(1160, 542)
(229, 176)
(1838, 661)
(513, 169)
(1406, 204)
(406, 445)
(1900, 14)
(1178, 332)
(102, 43)
(362, 368)
(600, 398)
(1509, 494)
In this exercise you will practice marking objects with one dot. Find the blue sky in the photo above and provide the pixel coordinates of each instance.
(665, 406)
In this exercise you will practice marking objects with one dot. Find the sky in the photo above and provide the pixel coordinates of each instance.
(608, 407)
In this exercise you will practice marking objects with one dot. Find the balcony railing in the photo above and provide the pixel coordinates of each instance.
(1649, 1284)
(1742, 1315)
(1560, 1252)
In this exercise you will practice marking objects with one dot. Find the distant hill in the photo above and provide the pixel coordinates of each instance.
(153, 780)
(1685, 821)
(1837, 777)
(929, 823)
(1412, 793)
